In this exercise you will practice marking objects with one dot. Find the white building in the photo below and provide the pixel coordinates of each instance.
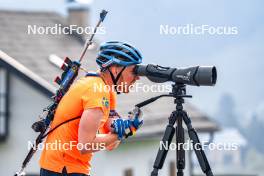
(227, 159)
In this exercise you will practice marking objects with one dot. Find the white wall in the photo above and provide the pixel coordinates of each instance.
(137, 155)
(26, 103)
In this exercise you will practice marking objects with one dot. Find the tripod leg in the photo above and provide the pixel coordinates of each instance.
(166, 140)
(204, 164)
(179, 144)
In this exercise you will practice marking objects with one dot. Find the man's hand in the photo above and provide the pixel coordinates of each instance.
(127, 127)
(122, 127)
(136, 117)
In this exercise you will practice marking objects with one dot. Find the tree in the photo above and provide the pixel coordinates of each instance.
(254, 133)
(226, 114)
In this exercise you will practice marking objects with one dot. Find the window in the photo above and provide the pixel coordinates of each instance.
(228, 158)
(172, 168)
(3, 103)
(128, 172)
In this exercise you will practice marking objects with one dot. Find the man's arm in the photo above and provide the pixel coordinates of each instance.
(113, 146)
(88, 127)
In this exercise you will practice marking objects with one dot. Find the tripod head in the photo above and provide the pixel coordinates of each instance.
(178, 92)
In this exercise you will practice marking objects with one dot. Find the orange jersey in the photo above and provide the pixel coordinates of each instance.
(87, 92)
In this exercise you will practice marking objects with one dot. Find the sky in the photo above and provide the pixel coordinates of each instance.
(238, 58)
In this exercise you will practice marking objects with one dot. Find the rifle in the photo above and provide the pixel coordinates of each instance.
(70, 72)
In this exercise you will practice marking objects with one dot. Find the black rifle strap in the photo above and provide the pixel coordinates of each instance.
(62, 123)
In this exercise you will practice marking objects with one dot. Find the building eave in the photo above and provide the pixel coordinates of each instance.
(27, 75)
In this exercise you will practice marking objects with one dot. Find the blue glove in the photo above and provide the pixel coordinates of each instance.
(122, 127)
(127, 127)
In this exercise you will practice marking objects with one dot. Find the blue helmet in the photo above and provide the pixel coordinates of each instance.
(118, 53)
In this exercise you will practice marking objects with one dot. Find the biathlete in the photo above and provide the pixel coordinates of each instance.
(99, 126)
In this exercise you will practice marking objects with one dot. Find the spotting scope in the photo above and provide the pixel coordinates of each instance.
(195, 75)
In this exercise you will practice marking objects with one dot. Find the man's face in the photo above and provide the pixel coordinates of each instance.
(127, 79)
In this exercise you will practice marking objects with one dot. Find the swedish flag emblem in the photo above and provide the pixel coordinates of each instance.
(105, 102)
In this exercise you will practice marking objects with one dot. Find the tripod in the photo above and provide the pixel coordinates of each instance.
(179, 116)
